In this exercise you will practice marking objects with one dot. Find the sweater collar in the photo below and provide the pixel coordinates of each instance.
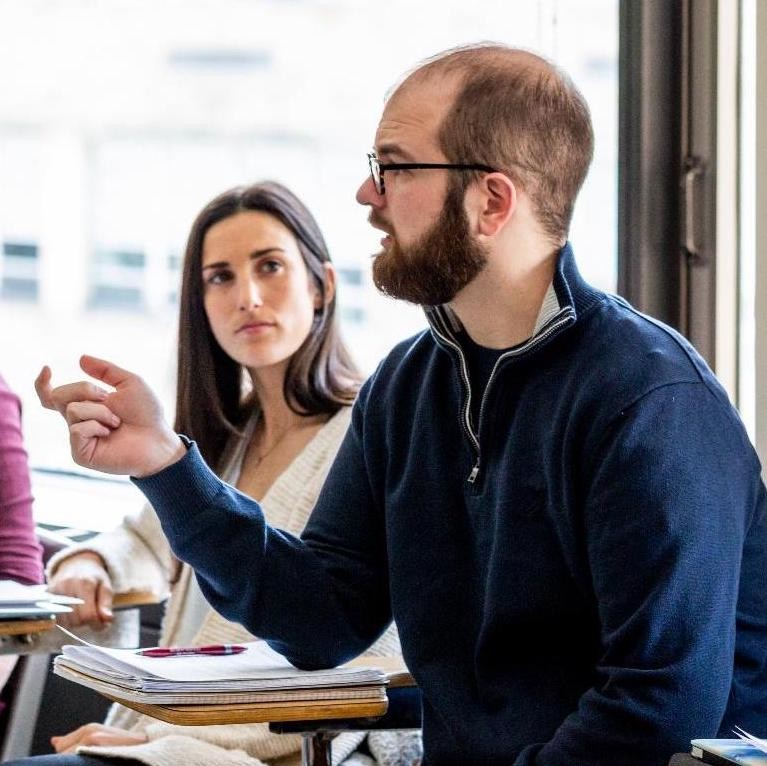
(568, 296)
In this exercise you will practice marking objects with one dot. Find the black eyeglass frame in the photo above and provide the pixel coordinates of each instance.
(378, 168)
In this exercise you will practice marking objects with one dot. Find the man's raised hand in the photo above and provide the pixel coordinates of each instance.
(121, 432)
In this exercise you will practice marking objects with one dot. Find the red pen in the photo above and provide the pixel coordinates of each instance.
(187, 651)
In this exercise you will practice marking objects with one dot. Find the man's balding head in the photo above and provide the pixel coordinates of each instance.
(518, 113)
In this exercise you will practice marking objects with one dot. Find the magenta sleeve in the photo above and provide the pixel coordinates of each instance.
(20, 552)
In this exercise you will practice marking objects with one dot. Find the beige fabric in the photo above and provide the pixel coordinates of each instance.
(138, 556)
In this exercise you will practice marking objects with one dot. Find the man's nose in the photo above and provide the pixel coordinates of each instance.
(368, 195)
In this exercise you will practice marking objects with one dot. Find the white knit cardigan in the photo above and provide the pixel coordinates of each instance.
(138, 557)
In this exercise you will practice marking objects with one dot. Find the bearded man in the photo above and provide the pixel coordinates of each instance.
(548, 492)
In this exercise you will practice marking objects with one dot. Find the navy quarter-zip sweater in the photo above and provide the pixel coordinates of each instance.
(585, 583)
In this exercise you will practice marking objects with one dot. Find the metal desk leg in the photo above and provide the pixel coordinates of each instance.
(316, 748)
(25, 706)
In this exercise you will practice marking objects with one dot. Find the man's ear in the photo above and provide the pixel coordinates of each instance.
(497, 203)
(330, 286)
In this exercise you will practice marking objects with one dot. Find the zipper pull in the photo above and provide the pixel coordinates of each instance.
(474, 472)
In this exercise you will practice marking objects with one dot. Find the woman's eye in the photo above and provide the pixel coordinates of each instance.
(270, 266)
(218, 277)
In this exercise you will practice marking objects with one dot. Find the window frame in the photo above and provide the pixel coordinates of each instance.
(667, 174)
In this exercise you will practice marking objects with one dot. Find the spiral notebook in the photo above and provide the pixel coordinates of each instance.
(258, 674)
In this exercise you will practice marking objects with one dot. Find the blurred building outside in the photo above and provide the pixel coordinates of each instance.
(120, 119)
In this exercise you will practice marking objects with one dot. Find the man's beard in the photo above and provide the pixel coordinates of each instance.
(435, 268)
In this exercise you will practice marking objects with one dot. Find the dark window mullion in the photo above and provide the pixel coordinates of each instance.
(649, 158)
(698, 210)
(667, 151)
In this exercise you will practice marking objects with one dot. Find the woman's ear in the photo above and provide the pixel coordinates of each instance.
(330, 286)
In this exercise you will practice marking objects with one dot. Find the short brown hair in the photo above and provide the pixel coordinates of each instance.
(321, 376)
(519, 113)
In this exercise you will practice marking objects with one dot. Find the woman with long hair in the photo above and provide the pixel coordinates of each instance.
(265, 386)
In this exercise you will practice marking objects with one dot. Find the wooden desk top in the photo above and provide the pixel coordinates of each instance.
(25, 627)
(205, 715)
(41, 625)
(133, 598)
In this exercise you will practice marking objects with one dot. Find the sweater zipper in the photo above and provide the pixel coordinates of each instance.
(518, 352)
(563, 318)
(466, 420)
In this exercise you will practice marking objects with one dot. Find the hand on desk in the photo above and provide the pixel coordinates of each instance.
(122, 432)
(96, 735)
(85, 576)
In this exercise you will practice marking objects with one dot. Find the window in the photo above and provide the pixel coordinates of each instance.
(174, 279)
(118, 280)
(212, 59)
(351, 302)
(754, 218)
(352, 314)
(19, 272)
(351, 276)
(687, 180)
(109, 164)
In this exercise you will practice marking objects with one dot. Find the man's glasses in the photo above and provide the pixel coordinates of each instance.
(377, 168)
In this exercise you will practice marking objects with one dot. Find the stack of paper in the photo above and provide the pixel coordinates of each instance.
(256, 675)
(31, 602)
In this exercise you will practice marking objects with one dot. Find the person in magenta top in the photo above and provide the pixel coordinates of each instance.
(20, 552)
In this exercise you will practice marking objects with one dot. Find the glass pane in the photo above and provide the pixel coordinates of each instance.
(18, 272)
(587, 48)
(748, 244)
(19, 250)
(106, 165)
